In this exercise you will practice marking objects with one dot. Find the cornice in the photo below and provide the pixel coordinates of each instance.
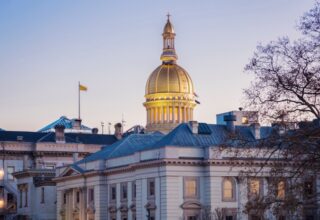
(176, 162)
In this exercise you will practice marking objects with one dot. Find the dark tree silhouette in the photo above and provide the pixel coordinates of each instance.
(286, 92)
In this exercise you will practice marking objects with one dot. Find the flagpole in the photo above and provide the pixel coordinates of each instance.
(79, 100)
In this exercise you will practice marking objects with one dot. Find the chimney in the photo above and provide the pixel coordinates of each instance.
(76, 124)
(59, 131)
(118, 130)
(230, 119)
(94, 130)
(193, 125)
(75, 156)
(255, 130)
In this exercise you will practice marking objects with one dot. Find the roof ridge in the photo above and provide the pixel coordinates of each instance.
(43, 137)
(124, 141)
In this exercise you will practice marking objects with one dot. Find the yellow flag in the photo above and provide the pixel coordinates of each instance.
(82, 88)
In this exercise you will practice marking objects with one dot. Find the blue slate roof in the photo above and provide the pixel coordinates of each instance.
(181, 136)
(127, 146)
(66, 122)
(84, 138)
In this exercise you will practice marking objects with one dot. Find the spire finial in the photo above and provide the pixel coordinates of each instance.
(168, 15)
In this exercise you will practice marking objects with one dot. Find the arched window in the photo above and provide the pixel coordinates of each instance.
(281, 189)
(228, 189)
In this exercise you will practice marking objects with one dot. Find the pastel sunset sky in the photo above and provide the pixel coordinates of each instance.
(111, 47)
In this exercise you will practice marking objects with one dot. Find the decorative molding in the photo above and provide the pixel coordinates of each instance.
(191, 204)
(173, 162)
(150, 205)
(112, 209)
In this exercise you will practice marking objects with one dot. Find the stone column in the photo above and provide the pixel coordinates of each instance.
(84, 202)
(168, 114)
(161, 114)
(179, 114)
(151, 115)
(173, 113)
(156, 120)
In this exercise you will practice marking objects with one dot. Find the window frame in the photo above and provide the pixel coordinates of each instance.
(149, 181)
(113, 186)
(133, 190)
(78, 197)
(260, 192)
(284, 189)
(91, 195)
(313, 188)
(123, 185)
(197, 190)
(10, 177)
(42, 199)
(233, 189)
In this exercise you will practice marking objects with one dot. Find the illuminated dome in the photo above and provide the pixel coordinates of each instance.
(170, 97)
(169, 78)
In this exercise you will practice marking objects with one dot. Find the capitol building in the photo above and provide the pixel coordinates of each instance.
(176, 168)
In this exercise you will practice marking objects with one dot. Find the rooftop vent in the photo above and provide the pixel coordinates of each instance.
(194, 126)
(230, 119)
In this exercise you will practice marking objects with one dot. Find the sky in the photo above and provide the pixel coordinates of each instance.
(47, 47)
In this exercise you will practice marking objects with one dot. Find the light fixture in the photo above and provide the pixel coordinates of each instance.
(1, 174)
(1, 203)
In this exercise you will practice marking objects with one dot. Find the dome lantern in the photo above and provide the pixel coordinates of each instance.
(169, 53)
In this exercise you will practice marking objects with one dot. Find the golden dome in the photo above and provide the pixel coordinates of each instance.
(169, 78)
(168, 28)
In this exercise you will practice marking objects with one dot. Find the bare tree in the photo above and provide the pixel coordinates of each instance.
(287, 74)
(286, 89)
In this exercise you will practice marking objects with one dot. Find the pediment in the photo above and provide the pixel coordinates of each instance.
(69, 172)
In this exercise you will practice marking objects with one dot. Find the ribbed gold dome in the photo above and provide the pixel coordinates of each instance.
(169, 78)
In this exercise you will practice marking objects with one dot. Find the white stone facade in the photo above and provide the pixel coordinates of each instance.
(169, 171)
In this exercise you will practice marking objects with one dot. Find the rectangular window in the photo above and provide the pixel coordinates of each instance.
(20, 198)
(78, 197)
(281, 189)
(26, 198)
(64, 198)
(151, 188)
(309, 188)
(10, 171)
(124, 191)
(190, 187)
(229, 217)
(42, 194)
(91, 195)
(113, 193)
(134, 190)
(255, 187)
